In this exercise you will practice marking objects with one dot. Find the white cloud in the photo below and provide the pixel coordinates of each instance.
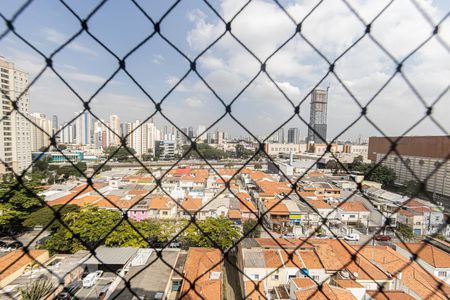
(59, 38)
(158, 59)
(297, 68)
(193, 102)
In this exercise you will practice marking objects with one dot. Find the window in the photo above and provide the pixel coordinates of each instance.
(275, 277)
(165, 213)
(352, 216)
(256, 276)
(442, 274)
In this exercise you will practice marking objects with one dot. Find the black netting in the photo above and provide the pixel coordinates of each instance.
(359, 257)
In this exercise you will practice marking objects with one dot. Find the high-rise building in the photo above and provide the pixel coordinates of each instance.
(41, 133)
(279, 136)
(142, 137)
(15, 130)
(55, 124)
(84, 129)
(220, 137)
(318, 117)
(201, 134)
(190, 132)
(422, 157)
(115, 131)
(67, 133)
(293, 136)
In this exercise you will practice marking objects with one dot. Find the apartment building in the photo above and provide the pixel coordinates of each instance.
(41, 133)
(15, 130)
(420, 154)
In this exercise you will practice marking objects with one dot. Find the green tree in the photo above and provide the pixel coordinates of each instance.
(405, 231)
(90, 224)
(411, 188)
(16, 202)
(123, 154)
(243, 153)
(36, 290)
(252, 226)
(220, 230)
(45, 216)
(103, 168)
(379, 173)
(126, 236)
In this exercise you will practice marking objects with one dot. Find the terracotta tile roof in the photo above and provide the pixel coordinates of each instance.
(432, 255)
(161, 202)
(285, 243)
(200, 172)
(351, 206)
(243, 196)
(192, 204)
(326, 293)
(276, 207)
(406, 213)
(258, 175)
(9, 265)
(347, 283)
(249, 208)
(254, 291)
(63, 199)
(303, 282)
(389, 295)
(272, 188)
(319, 204)
(272, 259)
(310, 260)
(182, 171)
(412, 275)
(343, 252)
(234, 214)
(201, 264)
(137, 192)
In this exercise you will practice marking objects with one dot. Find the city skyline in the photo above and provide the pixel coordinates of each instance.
(261, 108)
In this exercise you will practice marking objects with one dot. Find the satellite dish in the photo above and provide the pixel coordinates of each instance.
(345, 274)
(355, 274)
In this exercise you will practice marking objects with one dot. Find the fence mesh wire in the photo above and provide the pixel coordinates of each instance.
(436, 287)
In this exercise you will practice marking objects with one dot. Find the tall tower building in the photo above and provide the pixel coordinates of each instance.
(40, 137)
(115, 134)
(318, 116)
(279, 136)
(293, 136)
(15, 130)
(84, 129)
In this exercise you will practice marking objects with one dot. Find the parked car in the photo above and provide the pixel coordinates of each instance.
(69, 290)
(288, 236)
(175, 244)
(322, 236)
(382, 238)
(15, 245)
(91, 278)
(352, 237)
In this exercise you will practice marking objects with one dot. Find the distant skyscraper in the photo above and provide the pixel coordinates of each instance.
(190, 132)
(318, 116)
(279, 135)
(15, 130)
(200, 133)
(115, 132)
(55, 123)
(41, 133)
(293, 136)
(84, 129)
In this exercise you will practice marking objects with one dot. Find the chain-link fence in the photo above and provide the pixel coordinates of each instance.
(366, 265)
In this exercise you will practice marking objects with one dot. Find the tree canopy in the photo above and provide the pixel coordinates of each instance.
(17, 202)
(123, 154)
(379, 173)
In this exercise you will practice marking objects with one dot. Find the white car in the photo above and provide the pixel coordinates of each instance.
(91, 278)
(352, 237)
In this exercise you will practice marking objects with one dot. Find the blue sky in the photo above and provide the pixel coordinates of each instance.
(191, 26)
